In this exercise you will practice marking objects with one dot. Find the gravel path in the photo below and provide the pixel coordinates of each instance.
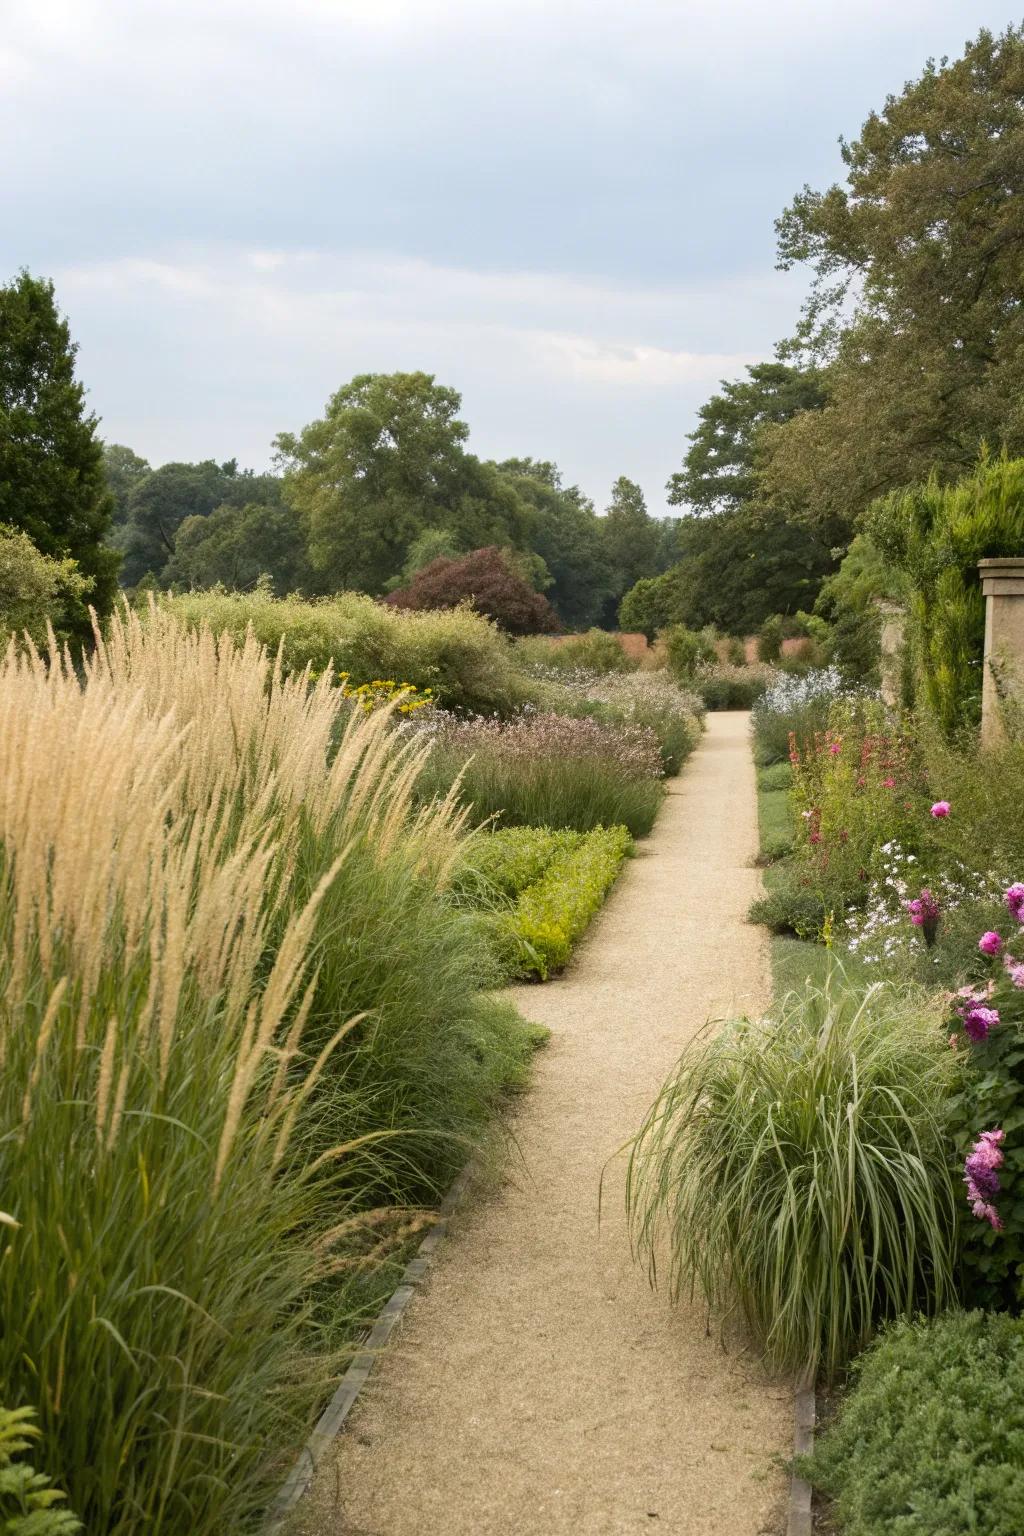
(538, 1386)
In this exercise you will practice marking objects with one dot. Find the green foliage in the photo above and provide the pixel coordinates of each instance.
(385, 462)
(233, 546)
(685, 648)
(566, 533)
(552, 882)
(594, 651)
(630, 541)
(552, 914)
(936, 535)
(653, 604)
(124, 468)
(161, 502)
(719, 467)
(36, 590)
(914, 307)
(930, 1438)
(462, 657)
(487, 580)
(52, 482)
(769, 639)
(647, 698)
(28, 1501)
(799, 1167)
(739, 566)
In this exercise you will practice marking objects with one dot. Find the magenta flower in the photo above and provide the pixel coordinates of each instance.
(836, 748)
(887, 783)
(941, 809)
(1015, 901)
(990, 943)
(978, 1020)
(982, 1178)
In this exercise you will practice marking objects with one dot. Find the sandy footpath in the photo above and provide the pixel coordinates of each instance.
(537, 1385)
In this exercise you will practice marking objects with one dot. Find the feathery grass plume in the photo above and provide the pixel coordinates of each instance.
(229, 975)
(797, 1169)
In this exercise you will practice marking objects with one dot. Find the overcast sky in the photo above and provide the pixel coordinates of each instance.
(563, 208)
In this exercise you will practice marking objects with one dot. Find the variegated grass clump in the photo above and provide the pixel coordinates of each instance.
(199, 1065)
(796, 1169)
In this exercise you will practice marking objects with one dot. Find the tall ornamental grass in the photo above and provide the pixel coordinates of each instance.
(648, 698)
(547, 770)
(196, 1129)
(798, 1170)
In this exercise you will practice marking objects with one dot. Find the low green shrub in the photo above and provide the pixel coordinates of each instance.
(597, 650)
(462, 657)
(800, 1165)
(547, 770)
(36, 590)
(506, 861)
(552, 913)
(687, 648)
(930, 1438)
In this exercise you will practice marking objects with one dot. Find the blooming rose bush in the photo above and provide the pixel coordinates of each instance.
(987, 1031)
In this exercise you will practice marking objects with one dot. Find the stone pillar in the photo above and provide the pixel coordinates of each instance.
(1002, 582)
(893, 618)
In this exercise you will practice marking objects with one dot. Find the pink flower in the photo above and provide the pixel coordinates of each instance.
(941, 809)
(990, 943)
(1015, 901)
(836, 748)
(979, 1020)
(888, 783)
(982, 1178)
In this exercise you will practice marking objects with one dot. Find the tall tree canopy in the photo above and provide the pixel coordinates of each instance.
(916, 306)
(719, 466)
(124, 468)
(385, 462)
(566, 533)
(159, 503)
(52, 483)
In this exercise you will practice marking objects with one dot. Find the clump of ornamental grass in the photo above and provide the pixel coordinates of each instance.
(798, 1170)
(547, 770)
(195, 1137)
(650, 698)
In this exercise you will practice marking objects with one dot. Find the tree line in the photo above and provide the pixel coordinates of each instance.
(906, 362)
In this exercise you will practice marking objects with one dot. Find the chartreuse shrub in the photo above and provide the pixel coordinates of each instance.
(548, 885)
(547, 770)
(29, 1504)
(467, 662)
(231, 973)
(930, 1438)
(799, 1168)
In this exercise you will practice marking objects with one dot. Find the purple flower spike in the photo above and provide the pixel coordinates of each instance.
(982, 1178)
(1015, 901)
(979, 1020)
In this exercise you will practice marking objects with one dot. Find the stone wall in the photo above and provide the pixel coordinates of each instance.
(1002, 582)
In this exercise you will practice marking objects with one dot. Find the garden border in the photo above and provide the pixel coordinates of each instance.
(332, 1420)
(800, 1521)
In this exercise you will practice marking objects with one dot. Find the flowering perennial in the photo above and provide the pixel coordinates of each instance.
(982, 1178)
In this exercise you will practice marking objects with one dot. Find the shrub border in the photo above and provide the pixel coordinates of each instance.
(333, 1419)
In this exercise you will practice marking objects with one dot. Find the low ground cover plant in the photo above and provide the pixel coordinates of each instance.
(467, 662)
(549, 885)
(543, 769)
(29, 1503)
(242, 1036)
(930, 1438)
(799, 1167)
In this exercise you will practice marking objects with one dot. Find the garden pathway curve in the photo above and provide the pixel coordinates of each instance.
(537, 1386)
